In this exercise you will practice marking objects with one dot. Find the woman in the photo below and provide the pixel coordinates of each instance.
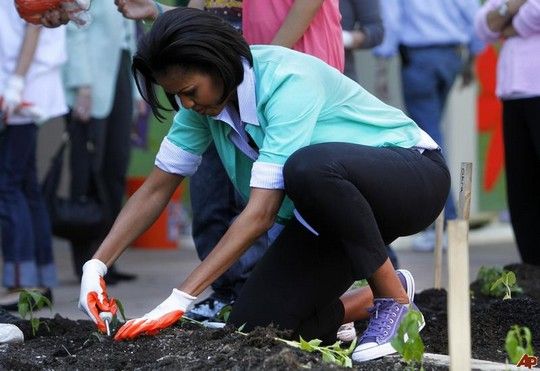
(518, 87)
(297, 138)
(30, 63)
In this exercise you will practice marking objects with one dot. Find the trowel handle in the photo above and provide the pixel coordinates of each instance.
(106, 316)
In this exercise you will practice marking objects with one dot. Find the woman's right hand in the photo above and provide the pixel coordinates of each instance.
(93, 297)
(137, 9)
(55, 18)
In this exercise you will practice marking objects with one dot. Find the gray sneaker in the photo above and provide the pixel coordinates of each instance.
(386, 316)
(208, 309)
(347, 331)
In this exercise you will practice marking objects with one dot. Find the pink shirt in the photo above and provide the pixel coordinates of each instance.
(263, 18)
(519, 59)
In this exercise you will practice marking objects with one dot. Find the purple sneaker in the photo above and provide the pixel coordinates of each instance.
(386, 315)
(347, 332)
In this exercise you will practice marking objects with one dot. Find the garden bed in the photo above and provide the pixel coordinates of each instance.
(75, 345)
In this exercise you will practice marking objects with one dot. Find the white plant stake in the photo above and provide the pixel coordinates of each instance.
(459, 316)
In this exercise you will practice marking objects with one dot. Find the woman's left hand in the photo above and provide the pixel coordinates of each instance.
(164, 315)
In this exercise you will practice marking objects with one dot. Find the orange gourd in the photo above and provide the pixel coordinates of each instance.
(32, 10)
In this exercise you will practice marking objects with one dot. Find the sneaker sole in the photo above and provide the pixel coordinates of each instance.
(381, 350)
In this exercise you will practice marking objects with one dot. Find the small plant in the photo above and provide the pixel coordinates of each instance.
(31, 301)
(507, 281)
(224, 313)
(497, 282)
(408, 342)
(518, 342)
(331, 353)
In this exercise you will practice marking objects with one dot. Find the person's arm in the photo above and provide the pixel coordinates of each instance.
(13, 91)
(257, 218)
(371, 29)
(297, 22)
(149, 9)
(498, 19)
(254, 220)
(141, 210)
(28, 49)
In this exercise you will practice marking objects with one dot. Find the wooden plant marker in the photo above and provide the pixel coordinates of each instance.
(459, 316)
(438, 253)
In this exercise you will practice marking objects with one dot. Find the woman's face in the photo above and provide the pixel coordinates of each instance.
(195, 90)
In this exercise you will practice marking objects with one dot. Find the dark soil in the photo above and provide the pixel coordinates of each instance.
(70, 345)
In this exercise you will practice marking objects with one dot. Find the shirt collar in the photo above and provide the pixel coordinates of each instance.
(247, 100)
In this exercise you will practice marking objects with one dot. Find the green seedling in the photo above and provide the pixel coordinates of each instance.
(31, 301)
(507, 281)
(224, 313)
(331, 353)
(120, 310)
(491, 280)
(408, 342)
(518, 342)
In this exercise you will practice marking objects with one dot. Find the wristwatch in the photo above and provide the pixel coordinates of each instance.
(503, 8)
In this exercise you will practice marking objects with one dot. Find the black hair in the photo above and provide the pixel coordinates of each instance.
(193, 40)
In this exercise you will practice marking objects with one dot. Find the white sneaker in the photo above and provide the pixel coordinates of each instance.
(346, 332)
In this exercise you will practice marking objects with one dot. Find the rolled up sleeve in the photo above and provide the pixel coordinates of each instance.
(181, 151)
(527, 20)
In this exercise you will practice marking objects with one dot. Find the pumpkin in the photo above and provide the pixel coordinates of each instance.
(32, 10)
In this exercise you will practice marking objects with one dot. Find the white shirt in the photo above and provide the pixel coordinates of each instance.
(43, 82)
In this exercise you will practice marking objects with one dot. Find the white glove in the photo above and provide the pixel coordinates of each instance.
(12, 95)
(348, 39)
(163, 316)
(93, 297)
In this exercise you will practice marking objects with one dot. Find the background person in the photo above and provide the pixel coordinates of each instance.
(516, 23)
(362, 29)
(436, 43)
(241, 99)
(30, 64)
(100, 95)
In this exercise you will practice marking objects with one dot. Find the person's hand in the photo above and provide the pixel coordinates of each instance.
(93, 297)
(353, 39)
(137, 9)
(164, 315)
(11, 97)
(55, 18)
(82, 109)
(509, 31)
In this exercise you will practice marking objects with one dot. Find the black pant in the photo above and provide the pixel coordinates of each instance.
(522, 154)
(358, 198)
(111, 136)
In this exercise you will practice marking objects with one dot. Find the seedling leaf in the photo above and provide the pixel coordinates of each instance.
(518, 342)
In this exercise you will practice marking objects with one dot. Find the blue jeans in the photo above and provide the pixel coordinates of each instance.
(427, 77)
(26, 232)
(215, 204)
